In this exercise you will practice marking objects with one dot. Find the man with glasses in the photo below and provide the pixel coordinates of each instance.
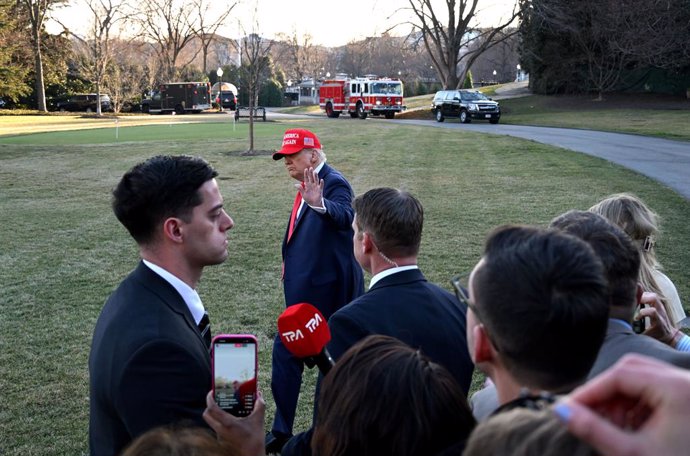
(537, 315)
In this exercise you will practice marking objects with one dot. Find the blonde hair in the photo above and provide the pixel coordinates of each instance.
(525, 432)
(641, 223)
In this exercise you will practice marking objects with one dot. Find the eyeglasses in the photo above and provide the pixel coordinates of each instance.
(461, 285)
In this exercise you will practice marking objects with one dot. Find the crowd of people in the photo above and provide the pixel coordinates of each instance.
(574, 325)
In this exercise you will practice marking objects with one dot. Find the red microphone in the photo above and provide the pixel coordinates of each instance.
(304, 332)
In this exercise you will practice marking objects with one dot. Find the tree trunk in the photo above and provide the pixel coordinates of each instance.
(251, 117)
(39, 84)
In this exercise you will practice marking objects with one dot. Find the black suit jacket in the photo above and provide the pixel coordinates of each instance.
(405, 306)
(148, 366)
(621, 340)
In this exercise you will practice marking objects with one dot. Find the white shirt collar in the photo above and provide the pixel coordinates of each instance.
(189, 294)
(388, 272)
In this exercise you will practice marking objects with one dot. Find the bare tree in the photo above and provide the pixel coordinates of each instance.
(388, 54)
(36, 11)
(95, 47)
(129, 72)
(654, 32)
(255, 56)
(169, 24)
(455, 45)
(501, 58)
(206, 30)
(299, 58)
(590, 27)
(357, 57)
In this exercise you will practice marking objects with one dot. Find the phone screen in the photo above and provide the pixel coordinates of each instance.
(234, 373)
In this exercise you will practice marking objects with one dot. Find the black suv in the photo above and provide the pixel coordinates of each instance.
(465, 104)
(227, 98)
(84, 102)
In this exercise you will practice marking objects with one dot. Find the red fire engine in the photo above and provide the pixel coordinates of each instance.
(361, 96)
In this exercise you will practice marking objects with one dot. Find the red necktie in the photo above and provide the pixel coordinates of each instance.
(293, 216)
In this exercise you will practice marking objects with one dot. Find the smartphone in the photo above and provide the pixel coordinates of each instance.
(639, 324)
(234, 363)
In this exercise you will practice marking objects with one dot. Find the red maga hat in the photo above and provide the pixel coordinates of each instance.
(295, 140)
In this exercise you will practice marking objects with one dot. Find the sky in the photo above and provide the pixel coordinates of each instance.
(329, 22)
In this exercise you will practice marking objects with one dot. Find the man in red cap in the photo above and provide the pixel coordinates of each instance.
(319, 266)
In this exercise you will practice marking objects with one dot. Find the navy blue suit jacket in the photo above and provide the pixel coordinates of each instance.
(405, 306)
(148, 366)
(320, 267)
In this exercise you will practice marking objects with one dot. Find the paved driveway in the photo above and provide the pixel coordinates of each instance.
(663, 160)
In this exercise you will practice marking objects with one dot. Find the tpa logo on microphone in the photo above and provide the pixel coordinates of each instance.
(292, 336)
(313, 323)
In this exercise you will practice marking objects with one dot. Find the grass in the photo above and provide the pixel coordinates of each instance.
(667, 118)
(64, 252)
(643, 114)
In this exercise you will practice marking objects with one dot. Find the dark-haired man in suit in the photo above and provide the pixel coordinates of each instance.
(400, 301)
(149, 363)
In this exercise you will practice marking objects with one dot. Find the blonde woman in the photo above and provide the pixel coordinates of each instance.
(642, 225)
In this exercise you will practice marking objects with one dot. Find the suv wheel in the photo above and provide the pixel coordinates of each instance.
(464, 117)
(439, 115)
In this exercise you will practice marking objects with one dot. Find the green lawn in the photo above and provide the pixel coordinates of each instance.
(665, 119)
(652, 116)
(63, 251)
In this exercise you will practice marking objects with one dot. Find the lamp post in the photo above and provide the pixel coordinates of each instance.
(219, 72)
(495, 81)
(517, 78)
(289, 84)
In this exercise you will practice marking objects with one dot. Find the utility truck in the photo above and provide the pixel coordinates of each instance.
(178, 97)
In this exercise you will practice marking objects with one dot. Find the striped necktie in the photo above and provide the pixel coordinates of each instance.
(205, 329)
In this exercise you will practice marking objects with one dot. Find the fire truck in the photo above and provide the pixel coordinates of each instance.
(361, 96)
(179, 97)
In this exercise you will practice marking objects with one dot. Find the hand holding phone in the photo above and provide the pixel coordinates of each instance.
(234, 359)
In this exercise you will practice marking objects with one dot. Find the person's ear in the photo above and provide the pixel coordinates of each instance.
(367, 243)
(640, 290)
(172, 229)
(483, 350)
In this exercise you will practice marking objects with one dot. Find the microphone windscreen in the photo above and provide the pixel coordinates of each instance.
(303, 330)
